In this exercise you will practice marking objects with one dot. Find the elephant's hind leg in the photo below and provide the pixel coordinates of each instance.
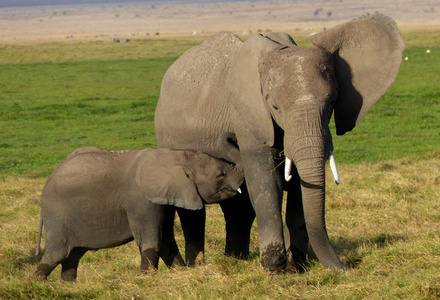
(69, 268)
(54, 254)
(44, 270)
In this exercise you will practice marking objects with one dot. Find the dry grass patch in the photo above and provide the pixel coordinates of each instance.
(384, 220)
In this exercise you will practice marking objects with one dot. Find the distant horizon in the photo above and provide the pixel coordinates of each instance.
(19, 3)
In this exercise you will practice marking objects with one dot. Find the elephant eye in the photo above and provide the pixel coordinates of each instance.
(272, 105)
(221, 174)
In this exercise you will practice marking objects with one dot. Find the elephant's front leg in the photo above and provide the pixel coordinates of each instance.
(169, 251)
(149, 259)
(239, 215)
(296, 236)
(264, 183)
(193, 226)
(146, 223)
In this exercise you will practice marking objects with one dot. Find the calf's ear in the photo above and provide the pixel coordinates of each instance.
(166, 182)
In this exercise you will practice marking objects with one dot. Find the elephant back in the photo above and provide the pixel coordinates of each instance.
(196, 64)
(189, 87)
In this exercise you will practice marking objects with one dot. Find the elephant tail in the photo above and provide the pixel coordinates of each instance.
(40, 233)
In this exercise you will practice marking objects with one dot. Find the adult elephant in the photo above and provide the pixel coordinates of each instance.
(277, 98)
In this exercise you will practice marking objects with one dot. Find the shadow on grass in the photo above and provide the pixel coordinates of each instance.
(20, 260)
(352, 252)
(350, 249)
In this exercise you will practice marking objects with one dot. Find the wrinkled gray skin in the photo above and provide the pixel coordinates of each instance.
(278, 98)
(99, 199)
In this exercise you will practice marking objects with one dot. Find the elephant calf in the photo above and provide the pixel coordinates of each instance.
(98, 199)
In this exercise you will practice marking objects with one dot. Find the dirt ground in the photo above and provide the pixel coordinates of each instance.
(140, 19)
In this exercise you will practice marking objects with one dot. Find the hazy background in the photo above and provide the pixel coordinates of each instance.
(11, 3)
(23, 20)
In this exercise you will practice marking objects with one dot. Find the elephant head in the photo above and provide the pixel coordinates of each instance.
(215, 179)
(187, 178)
(347, 70)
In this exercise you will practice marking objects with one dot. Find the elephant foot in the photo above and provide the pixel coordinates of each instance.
(149, 271)
(170, 254)
(69, 275)
(273, 259)
(295, 260)
(178, 261)
(243, 255)
(43, 270)
(196, 259)
(149, 260)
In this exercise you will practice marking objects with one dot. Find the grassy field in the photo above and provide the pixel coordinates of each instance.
(384, 219)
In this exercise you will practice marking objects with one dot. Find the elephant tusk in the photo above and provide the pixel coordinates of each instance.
(334, 168)
(288, 169)
(239, 190)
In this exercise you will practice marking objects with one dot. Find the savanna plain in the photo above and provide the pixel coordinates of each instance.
(383, 219)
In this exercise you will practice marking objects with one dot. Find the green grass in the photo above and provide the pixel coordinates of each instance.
(49, 109)
(405, 121)
(383, 219)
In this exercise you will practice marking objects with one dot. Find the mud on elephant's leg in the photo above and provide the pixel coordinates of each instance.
(147, 237)
(44, 270)
(193, 226)
(169, 251)
(239, 215)
(149, 259)
(296, 236)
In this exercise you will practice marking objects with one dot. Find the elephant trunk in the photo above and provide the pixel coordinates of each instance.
(309, 153)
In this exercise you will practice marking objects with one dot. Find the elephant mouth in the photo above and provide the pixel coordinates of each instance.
(333, 166)
(222, 194)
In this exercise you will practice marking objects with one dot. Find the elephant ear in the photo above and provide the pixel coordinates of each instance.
(368, 54)
(246, 96)
(164, 179)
